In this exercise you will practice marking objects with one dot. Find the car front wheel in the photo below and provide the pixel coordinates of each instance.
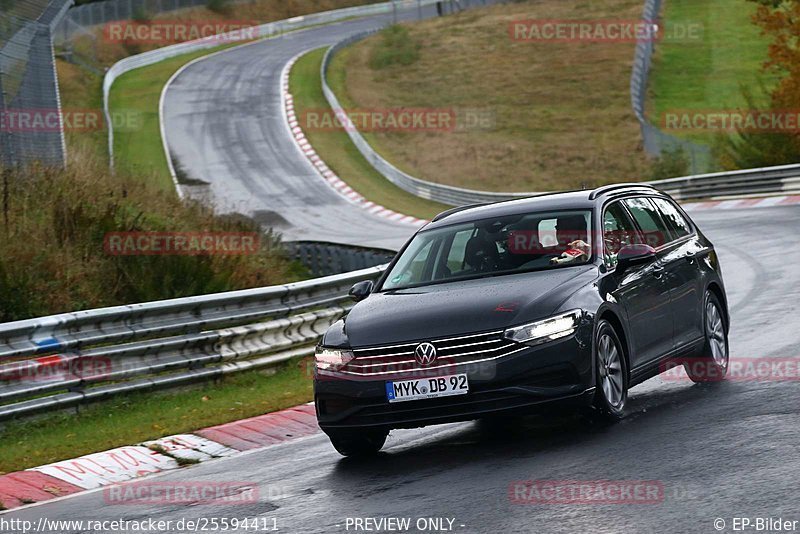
(611, 370)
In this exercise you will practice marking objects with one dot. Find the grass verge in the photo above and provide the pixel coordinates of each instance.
(706, 71)
(140, 417)
(339, 152)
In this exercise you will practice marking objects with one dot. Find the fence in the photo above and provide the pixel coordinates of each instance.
(100, 353)
(31, 126)
(98, 13)
(654, 140)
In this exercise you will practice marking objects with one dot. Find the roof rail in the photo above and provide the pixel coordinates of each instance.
(606, 188)
(452, 211)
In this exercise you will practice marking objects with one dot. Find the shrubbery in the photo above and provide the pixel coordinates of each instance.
(52, 256)
(396, 48)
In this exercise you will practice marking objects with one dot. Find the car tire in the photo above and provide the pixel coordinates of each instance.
(712, 365)
(611, 372)
(358, 444)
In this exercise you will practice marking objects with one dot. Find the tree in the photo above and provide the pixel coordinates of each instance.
(780, 20)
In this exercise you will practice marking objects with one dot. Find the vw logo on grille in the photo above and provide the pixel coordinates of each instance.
(425, 353)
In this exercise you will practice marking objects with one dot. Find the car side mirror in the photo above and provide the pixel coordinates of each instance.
(361, 290)
(631, 255)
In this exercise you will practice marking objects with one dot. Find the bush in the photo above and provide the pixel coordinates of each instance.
(671, 164)
(141, 15)
(52, 256)
(748, 150)
(219, 6)
(395, 48)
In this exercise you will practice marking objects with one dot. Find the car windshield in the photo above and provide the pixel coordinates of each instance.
(491, 247)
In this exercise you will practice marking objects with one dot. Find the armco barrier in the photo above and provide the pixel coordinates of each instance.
(64, 360)
(264, 31)
(784, 179)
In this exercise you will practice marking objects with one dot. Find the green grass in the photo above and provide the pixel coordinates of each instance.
(138, 148)
(340, 154)
(708, 73)
(144, 416)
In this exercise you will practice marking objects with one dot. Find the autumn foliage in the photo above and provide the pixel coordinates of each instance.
(780, 21)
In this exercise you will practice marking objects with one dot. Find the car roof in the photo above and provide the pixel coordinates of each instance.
(569, 200)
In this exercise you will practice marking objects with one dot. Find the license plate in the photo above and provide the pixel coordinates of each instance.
(427, 388)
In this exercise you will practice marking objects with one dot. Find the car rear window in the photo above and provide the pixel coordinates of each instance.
(678, 225)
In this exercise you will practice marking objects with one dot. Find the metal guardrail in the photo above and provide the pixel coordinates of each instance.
(446, 194)
(65, 360)
(784, 179)
(265, 31)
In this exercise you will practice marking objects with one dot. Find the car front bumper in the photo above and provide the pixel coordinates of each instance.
(537, 378)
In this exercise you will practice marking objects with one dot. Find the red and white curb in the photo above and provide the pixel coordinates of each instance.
(123, 464)
(763, 202)
(324, 171)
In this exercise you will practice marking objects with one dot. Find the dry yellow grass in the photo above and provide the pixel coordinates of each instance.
(561, 110)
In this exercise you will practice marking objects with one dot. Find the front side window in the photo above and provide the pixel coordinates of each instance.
(493, 247)
(618, 231)
(654, 230)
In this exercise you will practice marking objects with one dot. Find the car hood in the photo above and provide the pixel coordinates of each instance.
(457, 308)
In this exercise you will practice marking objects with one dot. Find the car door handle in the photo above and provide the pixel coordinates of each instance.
(690, 256)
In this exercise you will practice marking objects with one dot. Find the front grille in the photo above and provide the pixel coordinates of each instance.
(451, 352)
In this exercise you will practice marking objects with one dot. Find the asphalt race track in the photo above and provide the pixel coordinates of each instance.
(224, 124)
(721, 451)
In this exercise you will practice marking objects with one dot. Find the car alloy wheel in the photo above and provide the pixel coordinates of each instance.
(712, 365)
(611, 392)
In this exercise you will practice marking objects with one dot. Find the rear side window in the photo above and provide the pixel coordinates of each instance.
(678, 225)
(654, 229)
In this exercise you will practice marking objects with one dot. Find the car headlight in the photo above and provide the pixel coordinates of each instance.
(545, 330)
(332, 359)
